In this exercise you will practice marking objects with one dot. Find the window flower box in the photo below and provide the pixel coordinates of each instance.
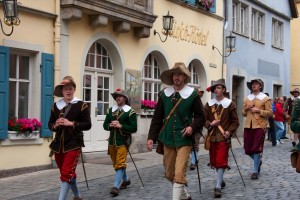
(14, 135)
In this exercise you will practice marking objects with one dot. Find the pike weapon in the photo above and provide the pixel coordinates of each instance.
(197, 167)
(229, 141)
(132, 159)
(84, 172)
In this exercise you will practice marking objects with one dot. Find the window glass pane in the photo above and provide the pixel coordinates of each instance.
(106, 83)
(106, 95)
(100, 108)
(109, 64)
(23, 100)
(24, 67)
(12, 66)
(87, 81)
(100, 95)
(100, 82)
(12, 100)
(87, 95)
(104, 62)
(98, 61)
(105, 107)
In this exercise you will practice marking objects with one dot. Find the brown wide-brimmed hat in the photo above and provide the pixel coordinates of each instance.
(249, 84)
(216, 83)
(67, 80)
(119, 91)
(295, 90)
(167, 76)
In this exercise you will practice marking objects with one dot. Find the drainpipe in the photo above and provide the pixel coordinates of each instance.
(57, 39)
(225, 23)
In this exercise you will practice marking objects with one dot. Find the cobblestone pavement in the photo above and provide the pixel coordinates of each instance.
(277, 179)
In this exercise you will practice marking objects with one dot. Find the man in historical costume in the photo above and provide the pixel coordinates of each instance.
(69, 117)
(197, 137)
(221, 122)
(180, 112)
(257, 109)
(121, 121)
(295, 122)
(288, 106)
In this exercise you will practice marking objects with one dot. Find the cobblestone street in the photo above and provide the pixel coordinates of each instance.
(277, 180)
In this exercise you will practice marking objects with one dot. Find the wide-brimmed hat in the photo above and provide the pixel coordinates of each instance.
(119, 91)
(67, 80)
(249, 84)
(216, 83)
(167, 76)
(295, 90)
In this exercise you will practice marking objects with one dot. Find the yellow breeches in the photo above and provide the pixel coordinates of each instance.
(118, 156)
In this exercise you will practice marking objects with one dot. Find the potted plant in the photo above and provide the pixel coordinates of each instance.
(148, 106)
(24, 127)
(207, 4)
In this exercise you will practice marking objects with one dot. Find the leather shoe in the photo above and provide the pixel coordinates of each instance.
(254, 176)
(125, 184)
(260, 163)
(217, 192)
(192, 167)
(223, 185)
(114, 191)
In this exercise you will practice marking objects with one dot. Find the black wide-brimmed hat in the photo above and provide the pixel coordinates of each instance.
(67, 80)
(122, 93)
(249, 84)
(167, 76)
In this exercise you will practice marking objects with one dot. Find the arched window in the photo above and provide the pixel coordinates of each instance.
(97, 79)
(98, 57)
(151, 79)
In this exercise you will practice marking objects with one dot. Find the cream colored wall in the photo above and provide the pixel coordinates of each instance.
(295, 49)
(133, 50)
(44, 5)
(24, 156)
(36, 30)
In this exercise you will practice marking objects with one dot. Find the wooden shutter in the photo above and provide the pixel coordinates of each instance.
(4, 85)
(47, 92)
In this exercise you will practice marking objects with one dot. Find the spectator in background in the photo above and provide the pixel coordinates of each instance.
(271, 127)
(279, 118)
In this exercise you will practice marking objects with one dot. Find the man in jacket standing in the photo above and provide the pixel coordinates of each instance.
(257, 109)
(180, 112)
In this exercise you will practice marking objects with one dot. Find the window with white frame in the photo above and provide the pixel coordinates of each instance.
(277, 33)
(258, 25)
(98, 57)
(194, 76)
(240, 17)
(151, 79)
(19, 85)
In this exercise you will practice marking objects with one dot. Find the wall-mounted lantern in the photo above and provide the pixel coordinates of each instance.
(11, 18)
(230, 45)
(167, 26)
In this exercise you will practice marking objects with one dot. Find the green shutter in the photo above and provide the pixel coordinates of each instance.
(47, 92)
(213, 8)
(4, 85)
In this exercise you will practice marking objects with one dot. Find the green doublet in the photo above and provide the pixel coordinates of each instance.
(295, 123)
(128, 121)
(171, 136)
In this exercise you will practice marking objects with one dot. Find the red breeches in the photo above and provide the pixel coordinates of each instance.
(67, 163)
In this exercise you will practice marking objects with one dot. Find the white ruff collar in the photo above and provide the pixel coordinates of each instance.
(185, 92)
(225, 102)
(60, 104)
(260, 96)
(126, 108)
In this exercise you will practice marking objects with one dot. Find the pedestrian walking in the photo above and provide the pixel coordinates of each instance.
(221, 122)
(288, 106)
(180, 112)
(278, 120)
(257, 109)
(69, 117)
(121, 121)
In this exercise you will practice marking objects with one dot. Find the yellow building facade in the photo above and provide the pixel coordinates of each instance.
(104, 49)
(295, 48)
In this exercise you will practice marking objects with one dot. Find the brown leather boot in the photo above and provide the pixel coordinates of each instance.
(78, 198)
